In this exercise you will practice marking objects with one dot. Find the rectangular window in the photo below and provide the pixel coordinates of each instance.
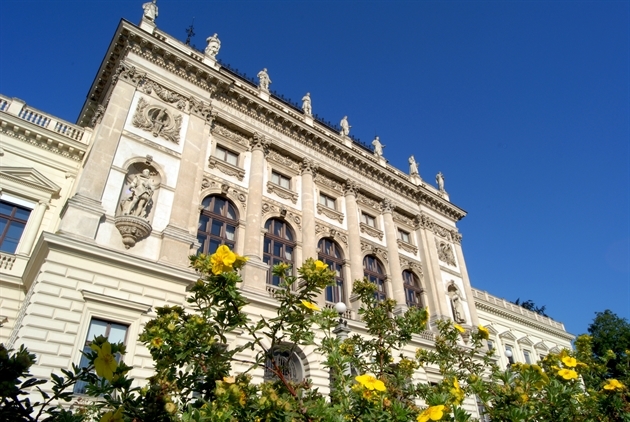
(368, 220)
(13, 220)
(527, 356)
(115, 333)
(327, 201)
(226, 155)
(403, 235)
(280, 180)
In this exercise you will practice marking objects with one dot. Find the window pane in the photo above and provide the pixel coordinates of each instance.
(22, 213)
(218, 205)
(288, 234)
(267, 247)
(231, 212)
(275, 178)
(277, 229)
(277, 249)
(285, 183)
(117, 333)
(230, 232)
(216, 228)
(213, 246)
(6, 209)
(97, 328)
(203, 221)
(232, 158)
(288, 253)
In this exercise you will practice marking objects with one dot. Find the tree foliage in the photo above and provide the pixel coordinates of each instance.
(531, 306)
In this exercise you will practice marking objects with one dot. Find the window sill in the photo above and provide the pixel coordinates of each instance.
(226, 168)
(283, 193)
(330, 213)
(374, 232)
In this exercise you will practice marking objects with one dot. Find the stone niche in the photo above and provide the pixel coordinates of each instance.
(137, 203)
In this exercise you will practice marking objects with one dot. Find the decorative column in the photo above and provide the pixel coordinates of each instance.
(255, 271)
(32, 228)
(391, 237)
(438, 301)
(354, 236)
(470, 299)
(309, 248)
(82, 215)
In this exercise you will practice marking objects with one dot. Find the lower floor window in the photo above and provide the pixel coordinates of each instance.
(284, 360)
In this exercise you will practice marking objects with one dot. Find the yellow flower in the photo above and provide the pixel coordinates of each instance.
(229, 380)
(457, 392)
(459, 328)
(222, 260)
(524, 398)
(320, 266)
(105, 363)
(568, 374)
(484, 332)
(157, 342)
(170, 407)
(371, 383)
(433, 413)
(310, 305)
(613, 384)
(569, 361)
(112, 416)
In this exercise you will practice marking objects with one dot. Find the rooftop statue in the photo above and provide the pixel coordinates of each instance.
(306, 104)
(213, 47)
(150, 10)
(264, 81)
(345, 127)
(413, 166)
(378, 147)
(439, 179)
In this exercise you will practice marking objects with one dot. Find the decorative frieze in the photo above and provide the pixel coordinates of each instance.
(283, 160)
(445, 252)
(371, 249)
(213, 182)
(362, 199)
(426, 222)
(413, 266)
(229, 134)
(165, 94)
(330, 213)
(328, 231)
(328, 182)
(268, 207)
(403, 219)
(226, 168)
(407, 247)
(157, 120)
(371, 231)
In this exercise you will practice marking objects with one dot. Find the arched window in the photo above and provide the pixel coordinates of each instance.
(373, 271)
(217, 224)
(330, 253)
(286, 361)
(279, 246)
(413, 291)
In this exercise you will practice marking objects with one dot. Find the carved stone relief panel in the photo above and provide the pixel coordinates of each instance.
(284, 161)
(210, 182)
(328, 182)
(445, 252)
(230, 134)
(268, 207)
(401, 218)
(371, 249)
(157, 120)
(330, 213)
(164, 94)
(362, 199)
(327, 231)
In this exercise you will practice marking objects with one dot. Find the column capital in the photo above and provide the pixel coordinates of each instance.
(308, 166)
(350, 187)
(259, 142)
(387, 207)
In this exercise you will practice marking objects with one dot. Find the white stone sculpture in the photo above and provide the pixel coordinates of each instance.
(213, 47)
(150, 10)
(345, 127)
(306, 104)
(413, 166)
(263, 80)
(139, 201)
(378, 147)
(439, 179)
(458, 308)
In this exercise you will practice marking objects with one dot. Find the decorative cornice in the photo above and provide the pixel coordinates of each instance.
(374, 232)
(330, 213)
(445, 252)
(73, 150)
(226, 168)
(426, 222)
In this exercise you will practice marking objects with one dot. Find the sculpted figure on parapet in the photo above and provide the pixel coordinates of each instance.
(439, 179)
(150, 10)
(263, 80)
(378, 147)
(213, 47)
(413, 166)
(345, 127)
(306, 104)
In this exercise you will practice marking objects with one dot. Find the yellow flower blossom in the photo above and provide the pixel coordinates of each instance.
(157, 342)
(222, 260)
(112, 416)
(459, 328)
(485, 334)
(229, 380)
(433, 413)
(613, 384)
(371, 383)
(457, 392)
(569, 362)
(105, 363)
(568, 374)
(309, 305)
(170, 407)
(320, 266)
(524, 398)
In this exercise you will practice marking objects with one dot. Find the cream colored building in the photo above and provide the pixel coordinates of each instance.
(174, 153)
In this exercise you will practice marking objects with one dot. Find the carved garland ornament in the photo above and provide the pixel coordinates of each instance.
(282, 212)
(226, 189)
(231, 135)
(331, 232)
(283, 160)
(157, 120)
(323, 180)
(445, 252)
(368, 248)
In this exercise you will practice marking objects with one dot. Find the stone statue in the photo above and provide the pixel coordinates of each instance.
(439, 179)
(378, 147)
(306, 104)
(140, 200)
(413, 166)
(458, 308)
(150, 10)
(213, 47)
(345, 127)
(264, 81)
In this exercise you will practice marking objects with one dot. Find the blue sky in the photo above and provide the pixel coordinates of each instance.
(523, 105)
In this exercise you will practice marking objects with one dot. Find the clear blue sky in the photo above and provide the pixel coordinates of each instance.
(523, 105)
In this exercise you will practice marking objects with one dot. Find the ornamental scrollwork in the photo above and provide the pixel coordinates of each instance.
(445, 252)
(369, 249)
(219, 129)
(158, 121)
(413, 266)
(331, 232)
(283, 160)
(308, 166)
(330, 213)
(362, 199)
(282, 192)
(400, 218)
(371, 231)
(350, 187)
(407, 247)
(319, 178)
(387, 206)
(259, 142)
(282, 212)
(165, 94)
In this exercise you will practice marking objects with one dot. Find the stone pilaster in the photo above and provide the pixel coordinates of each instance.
(83, 212)
(32, 228)
(309, 248)
(180, 235)
(354, 236)
(470, 300)
(255, 271)
(391, 237)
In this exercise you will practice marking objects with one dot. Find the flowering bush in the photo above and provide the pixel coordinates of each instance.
(372, 378)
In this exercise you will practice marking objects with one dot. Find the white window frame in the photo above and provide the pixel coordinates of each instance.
(327, 201)
(367, 218)
(404, 235)
(224, 154)
(280, 179)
